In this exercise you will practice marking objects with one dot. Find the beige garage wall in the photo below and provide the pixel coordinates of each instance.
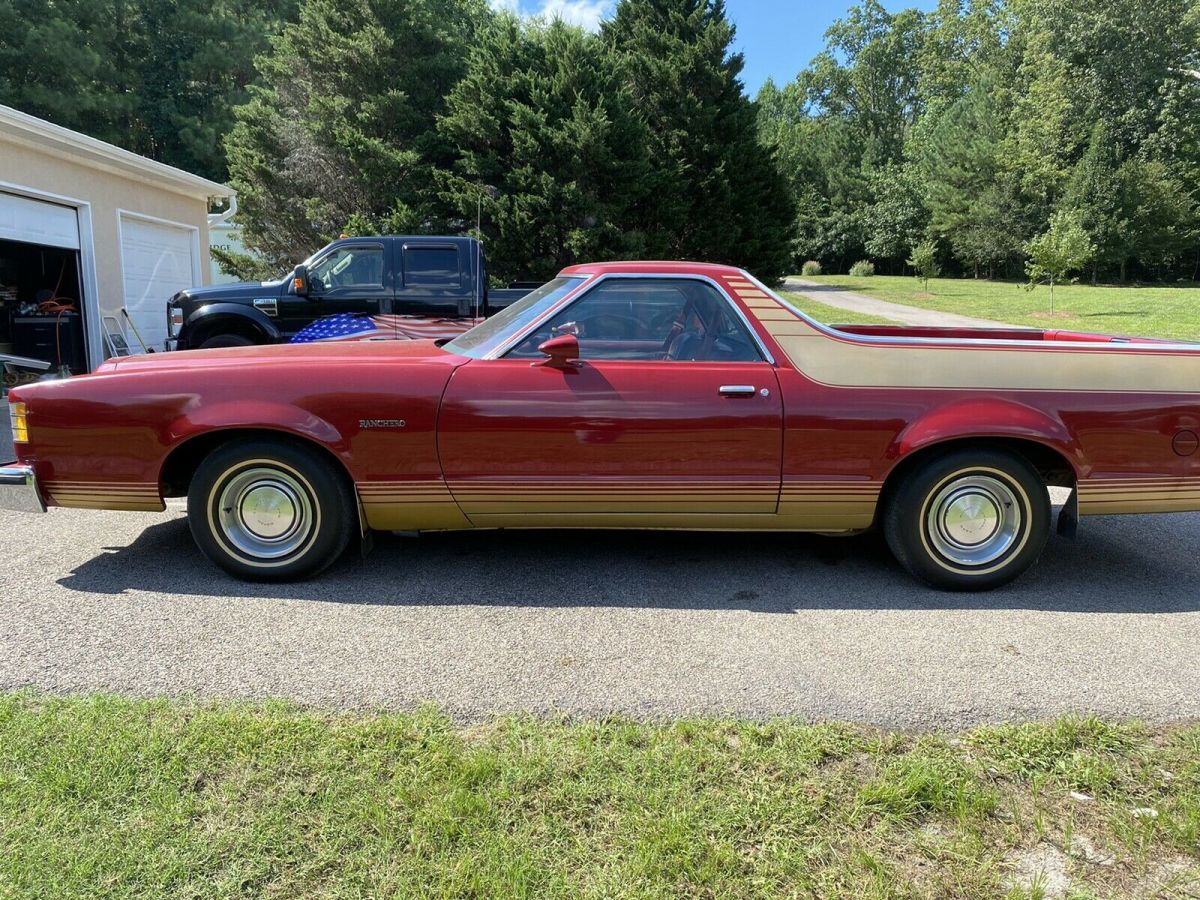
(106, 192)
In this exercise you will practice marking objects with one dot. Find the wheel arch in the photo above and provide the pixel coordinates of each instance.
(1051, 463)
(229, 318)
(180, 465)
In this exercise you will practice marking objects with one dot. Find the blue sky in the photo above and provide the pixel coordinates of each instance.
(777, 37)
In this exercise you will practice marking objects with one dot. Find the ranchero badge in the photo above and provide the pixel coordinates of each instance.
(381, 423)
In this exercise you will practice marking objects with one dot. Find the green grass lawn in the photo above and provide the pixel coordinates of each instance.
(1157, 311)
(109, 797)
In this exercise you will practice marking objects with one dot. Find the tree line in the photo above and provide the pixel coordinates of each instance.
(974, 139)
(407, 116)
(995, 129)
(428, 116)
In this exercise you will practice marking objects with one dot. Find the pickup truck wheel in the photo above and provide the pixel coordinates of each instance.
(969, 520)
(226, 340)
(270, 511)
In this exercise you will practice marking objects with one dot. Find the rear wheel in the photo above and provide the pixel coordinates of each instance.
(267, 510)
(969, 520)
(226, 340)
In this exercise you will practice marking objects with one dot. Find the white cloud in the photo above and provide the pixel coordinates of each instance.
(585, 13)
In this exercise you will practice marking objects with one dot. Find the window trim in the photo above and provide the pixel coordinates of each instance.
(594, 282)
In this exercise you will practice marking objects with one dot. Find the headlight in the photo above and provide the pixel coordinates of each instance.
(174, 320)
(18, 415)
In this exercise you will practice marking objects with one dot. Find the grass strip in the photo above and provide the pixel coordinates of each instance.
(1142, 311)
(103, 796)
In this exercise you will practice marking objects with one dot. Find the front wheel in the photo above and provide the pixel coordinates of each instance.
(266, 510)
(969, 520)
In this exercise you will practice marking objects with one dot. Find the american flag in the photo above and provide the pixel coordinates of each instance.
(365, 327)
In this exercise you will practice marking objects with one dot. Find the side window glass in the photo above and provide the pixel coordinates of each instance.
(675, 320)
(431, 267)
(349, 267)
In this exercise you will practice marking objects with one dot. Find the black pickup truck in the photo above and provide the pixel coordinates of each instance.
(441, 279)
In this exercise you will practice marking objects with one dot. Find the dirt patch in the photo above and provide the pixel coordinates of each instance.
(1043, 867)
(1178, 877)
(1051, 315)
(1082, 847)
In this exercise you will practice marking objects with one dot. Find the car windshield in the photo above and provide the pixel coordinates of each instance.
(496, 331)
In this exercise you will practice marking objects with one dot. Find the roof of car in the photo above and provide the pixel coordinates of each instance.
(652, 267)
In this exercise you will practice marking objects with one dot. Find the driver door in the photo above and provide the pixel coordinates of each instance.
(349, 278)
(671, 418)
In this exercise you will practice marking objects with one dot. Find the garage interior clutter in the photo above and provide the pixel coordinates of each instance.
(41, 316)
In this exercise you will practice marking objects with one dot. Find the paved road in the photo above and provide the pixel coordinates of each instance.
(651, 625)
(897, 312)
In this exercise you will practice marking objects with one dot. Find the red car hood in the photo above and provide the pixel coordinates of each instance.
(283, 354)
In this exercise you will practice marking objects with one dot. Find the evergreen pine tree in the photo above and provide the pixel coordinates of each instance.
(547, 148)
(157, 78)
(341, 133)
(716, 192)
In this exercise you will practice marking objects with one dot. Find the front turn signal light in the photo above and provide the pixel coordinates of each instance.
(18, 414)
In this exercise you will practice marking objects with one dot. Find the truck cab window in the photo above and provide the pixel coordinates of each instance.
(431, 267)
(348, 267)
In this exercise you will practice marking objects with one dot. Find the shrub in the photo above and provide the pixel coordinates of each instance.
(812, 267)
(864, 268)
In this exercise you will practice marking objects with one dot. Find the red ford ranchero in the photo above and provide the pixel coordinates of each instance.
(630, 395)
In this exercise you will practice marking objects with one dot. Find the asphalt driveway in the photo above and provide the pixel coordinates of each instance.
(650, 625)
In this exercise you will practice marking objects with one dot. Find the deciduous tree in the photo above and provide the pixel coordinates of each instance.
(1060, 250)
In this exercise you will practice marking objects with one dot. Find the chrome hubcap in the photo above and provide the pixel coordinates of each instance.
(265, 513)
(974, 520)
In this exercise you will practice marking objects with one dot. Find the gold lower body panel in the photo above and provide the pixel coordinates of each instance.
(135, 497)
(821, 506)
(1121, 496)
(410, 506)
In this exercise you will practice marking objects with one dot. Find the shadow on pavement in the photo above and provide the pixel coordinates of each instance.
(1118, 565)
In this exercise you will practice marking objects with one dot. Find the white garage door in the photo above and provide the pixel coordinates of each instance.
(38, 222)
(157, 260)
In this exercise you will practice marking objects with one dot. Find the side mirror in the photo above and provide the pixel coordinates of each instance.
(561, 352)
(300, 283)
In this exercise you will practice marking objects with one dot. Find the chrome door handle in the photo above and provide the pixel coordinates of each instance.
(737, 390)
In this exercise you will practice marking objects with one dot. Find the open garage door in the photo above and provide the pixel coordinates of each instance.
(157, 260)
(42, 306)
(38, 222)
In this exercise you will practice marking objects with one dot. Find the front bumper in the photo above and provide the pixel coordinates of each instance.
(19, 489)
